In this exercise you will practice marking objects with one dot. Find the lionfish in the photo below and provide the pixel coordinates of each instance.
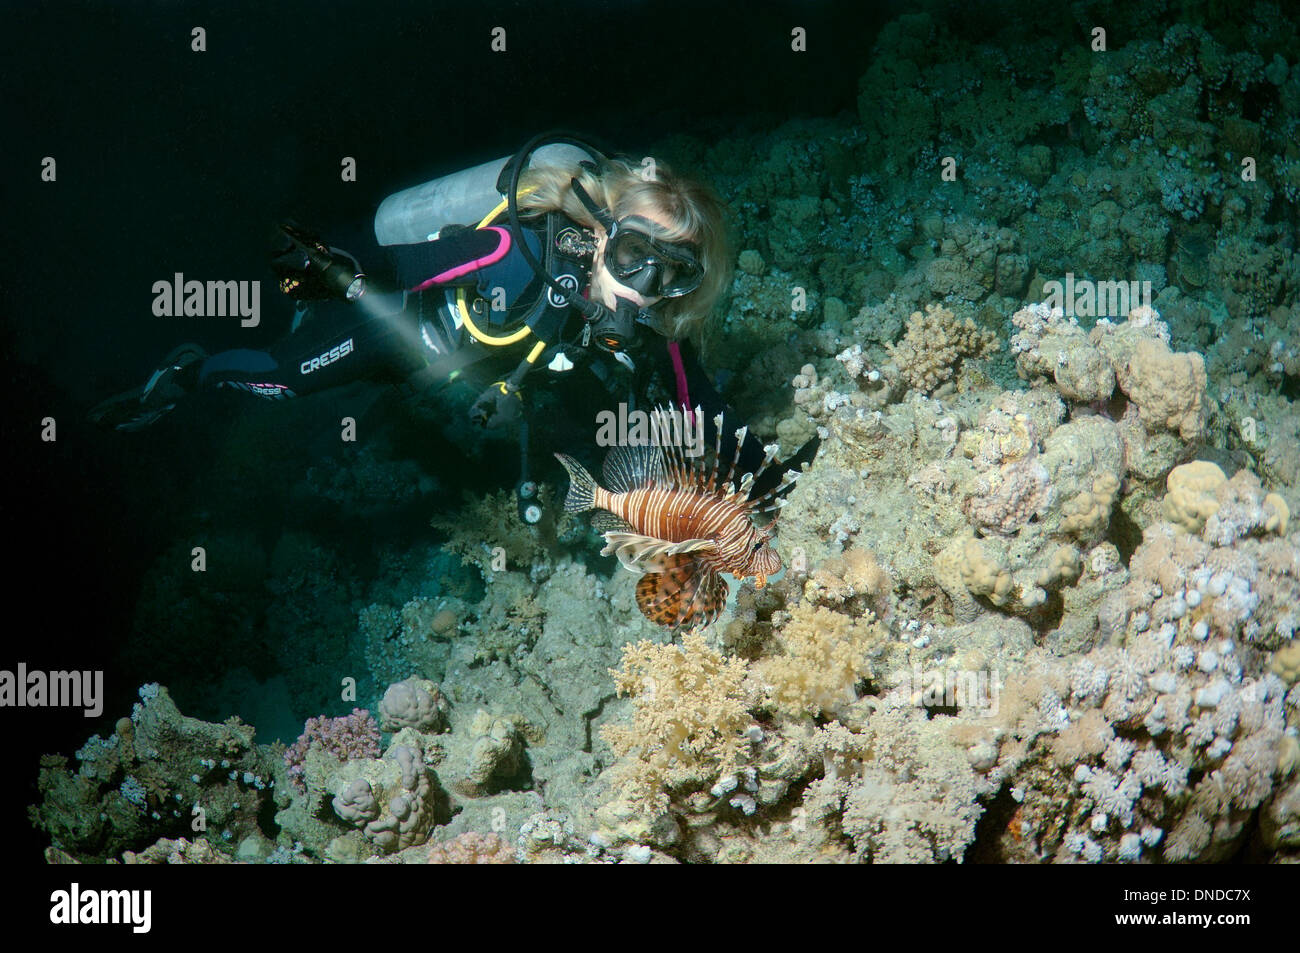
(663, 516)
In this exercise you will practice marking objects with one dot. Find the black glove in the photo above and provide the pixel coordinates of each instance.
(498, 406)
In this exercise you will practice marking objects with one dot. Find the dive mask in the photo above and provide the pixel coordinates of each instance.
(650, 267)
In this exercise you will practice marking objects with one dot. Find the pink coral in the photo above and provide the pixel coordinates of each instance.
(347, 737)
(472, 848)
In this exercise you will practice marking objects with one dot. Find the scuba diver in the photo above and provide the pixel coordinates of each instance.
(589, 267)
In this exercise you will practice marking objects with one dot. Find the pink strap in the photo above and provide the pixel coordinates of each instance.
(503, 246)
(683, 395)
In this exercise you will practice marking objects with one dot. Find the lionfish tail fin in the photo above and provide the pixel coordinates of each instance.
(582, 488)
(685, 594)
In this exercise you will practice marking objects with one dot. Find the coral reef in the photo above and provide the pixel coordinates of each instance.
(896, 788)
(393, 800)
(821, 657)
(1171, 742)
(160, 774)
(1040, 602)
(689, 720)
(414, 703)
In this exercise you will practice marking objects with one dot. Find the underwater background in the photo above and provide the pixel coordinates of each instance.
(1042, 592)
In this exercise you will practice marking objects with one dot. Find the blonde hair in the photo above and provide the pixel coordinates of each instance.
(625, 189)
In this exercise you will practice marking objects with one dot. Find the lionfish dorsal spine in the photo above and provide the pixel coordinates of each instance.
(773, 494)
(769, 454)
(671, 435)
(717, 444)
(735, 459)
(692, 473)
(632, 467)
(710, 485)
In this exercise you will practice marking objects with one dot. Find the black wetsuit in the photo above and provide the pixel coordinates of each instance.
(387, 338)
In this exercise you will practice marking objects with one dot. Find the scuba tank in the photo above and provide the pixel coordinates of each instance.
(416, 214)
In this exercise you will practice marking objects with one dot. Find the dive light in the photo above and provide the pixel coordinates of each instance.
(337, 271)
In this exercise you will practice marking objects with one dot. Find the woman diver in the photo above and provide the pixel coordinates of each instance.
(561, 276)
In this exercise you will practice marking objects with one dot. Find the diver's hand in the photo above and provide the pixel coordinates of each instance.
(498, 406)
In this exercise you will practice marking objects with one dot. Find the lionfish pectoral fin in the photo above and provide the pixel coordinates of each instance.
(648, 553)
(684, 594)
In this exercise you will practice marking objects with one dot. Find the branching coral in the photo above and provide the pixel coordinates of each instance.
(855, 578)
(822, 657)
(690, 711)
(935, 342)
(345, 738)
(488, 527)
(897, 788)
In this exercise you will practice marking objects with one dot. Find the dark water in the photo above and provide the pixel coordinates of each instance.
(170, 161)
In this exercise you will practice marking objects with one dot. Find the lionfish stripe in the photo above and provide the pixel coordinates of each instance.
(676, 522)
(582, 488)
